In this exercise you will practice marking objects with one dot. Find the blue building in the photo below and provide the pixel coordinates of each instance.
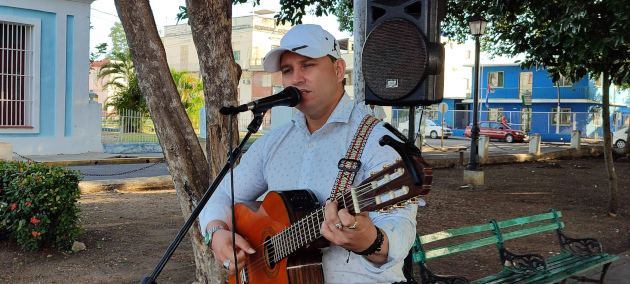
(529, 100)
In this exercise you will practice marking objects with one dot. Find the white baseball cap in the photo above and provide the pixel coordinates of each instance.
(307, 40)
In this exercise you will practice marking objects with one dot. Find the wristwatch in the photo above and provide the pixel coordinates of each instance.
(210, 232)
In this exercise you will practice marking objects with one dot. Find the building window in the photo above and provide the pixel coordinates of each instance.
(525, 83)
(17, 64)
(564, 82)
(565, 116)
(183, 57)
(237, 55)
(597, 117)
(266, 80)
(495, 79)
(495, 114)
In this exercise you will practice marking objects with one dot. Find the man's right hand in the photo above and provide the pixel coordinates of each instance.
(222, 246)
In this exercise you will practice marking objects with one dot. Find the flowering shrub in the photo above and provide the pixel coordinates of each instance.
(38, 204)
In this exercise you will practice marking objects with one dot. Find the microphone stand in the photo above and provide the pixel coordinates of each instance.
(236, 152)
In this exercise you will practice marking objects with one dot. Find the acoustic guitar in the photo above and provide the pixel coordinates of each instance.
(284, 228)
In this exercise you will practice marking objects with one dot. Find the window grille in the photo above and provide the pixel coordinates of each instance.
(16, 56)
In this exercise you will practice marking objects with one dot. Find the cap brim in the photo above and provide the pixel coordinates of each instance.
(271, 63)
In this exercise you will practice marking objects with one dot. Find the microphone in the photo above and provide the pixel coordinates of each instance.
(290, 97)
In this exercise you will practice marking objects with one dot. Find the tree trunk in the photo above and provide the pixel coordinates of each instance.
(613, 206)
(184, 155)
(211, 26)
(358, 30)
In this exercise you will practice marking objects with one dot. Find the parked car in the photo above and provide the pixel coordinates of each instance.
(619, 137)
(498, 130)
(430, 129)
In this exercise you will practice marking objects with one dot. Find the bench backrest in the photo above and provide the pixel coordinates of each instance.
(485, 234)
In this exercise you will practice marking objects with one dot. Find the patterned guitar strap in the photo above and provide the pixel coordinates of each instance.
(350, 165)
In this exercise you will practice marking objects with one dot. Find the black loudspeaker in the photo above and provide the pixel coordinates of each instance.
(403, 59)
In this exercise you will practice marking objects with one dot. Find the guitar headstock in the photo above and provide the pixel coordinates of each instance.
(393, 187)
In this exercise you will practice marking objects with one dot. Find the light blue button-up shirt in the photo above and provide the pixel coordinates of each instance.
(289, 157)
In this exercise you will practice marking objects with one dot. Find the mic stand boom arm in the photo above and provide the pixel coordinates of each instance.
(236, 152)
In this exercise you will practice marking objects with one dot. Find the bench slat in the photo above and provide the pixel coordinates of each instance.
(454, 233)
(442, 251)
(560, 268)
(531, 231)
(528, 219)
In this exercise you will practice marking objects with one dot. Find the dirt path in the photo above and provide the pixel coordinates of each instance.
(127, 233)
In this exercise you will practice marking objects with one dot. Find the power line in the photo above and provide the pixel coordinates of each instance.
(104, 12)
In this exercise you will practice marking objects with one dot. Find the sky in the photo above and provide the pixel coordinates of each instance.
(104, 15)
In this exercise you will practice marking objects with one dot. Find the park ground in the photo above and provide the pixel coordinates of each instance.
(127, 233)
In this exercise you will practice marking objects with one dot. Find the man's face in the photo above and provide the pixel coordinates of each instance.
(318, 79)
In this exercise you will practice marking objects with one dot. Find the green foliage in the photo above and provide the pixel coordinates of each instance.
(122, 77)
(191, 93)
(345, 15)
(571, 38)
(119, 41)
(293, 11)
(38, 204)
(100, 50)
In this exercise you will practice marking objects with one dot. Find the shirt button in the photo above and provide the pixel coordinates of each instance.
(310, 145)
(303, 175)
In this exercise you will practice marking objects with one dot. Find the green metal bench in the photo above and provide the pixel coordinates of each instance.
(576, 257)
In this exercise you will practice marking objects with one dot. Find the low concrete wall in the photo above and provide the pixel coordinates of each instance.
(127, 184)
(132, 148)
(6, 151)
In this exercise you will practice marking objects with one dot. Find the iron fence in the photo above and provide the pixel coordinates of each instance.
(129, 126)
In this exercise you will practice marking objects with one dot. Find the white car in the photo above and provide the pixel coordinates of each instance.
(619, 137)
(430, 129)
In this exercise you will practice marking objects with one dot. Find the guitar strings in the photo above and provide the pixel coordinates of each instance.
(291, 243)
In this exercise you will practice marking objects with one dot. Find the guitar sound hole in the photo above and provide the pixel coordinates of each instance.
(269, 254)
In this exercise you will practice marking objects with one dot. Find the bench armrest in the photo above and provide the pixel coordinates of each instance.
(522, 263)
(585, 246)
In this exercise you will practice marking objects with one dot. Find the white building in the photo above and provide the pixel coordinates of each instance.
(44, 101)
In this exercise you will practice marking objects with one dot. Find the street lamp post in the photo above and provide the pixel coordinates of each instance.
(477, 28)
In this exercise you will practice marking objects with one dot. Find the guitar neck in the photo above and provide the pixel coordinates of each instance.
(299, 234)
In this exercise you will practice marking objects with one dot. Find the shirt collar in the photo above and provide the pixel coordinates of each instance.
(342, 113)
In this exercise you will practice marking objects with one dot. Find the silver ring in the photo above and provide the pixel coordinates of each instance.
(339, 226)
(226, 264)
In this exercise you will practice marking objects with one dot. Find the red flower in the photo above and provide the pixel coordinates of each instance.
(34, 220)
(27, 203)
(13, 206)
(35, 233)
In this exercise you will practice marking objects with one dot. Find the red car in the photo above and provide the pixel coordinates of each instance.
(498, 130)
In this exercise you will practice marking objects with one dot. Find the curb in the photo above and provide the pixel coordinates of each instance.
(110, 161)
(519, 158)
(166, 182)
(127, 184)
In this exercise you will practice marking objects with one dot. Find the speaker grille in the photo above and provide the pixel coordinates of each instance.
(395, 59)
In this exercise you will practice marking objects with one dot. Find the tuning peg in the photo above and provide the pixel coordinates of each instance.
(399, 205)
(405, 189)
(386, 166)
(398, 160)
(373, 173)
(385, 210)
(413, 200)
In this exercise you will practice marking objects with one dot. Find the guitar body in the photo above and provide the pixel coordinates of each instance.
(257, 222)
